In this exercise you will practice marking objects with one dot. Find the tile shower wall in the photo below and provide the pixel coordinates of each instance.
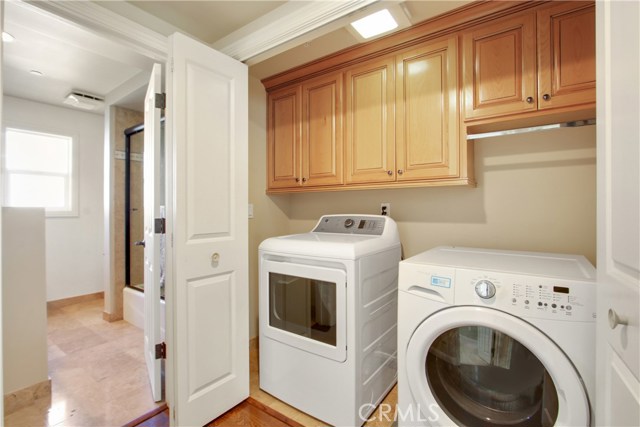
(124, 119)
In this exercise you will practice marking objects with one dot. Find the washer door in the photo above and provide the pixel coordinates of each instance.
(475, 366)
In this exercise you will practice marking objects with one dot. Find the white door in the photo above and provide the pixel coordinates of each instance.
(618, 104)
(152, 186)
(207, 258)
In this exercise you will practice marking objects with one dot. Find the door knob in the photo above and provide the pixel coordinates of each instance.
(615, 320)
(139, 243)
(215, 258)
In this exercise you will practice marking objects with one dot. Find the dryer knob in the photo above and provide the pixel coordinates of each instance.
(485, 289)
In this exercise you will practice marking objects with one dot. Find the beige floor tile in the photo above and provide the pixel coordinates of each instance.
(97, 369)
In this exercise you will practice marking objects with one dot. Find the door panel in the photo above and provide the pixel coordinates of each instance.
(322, 131)
(427, 111)
(207, 309)
(370, 122)
(152, 187)
(283, 139)
(566, 55)
(500, 67)
(618, 338)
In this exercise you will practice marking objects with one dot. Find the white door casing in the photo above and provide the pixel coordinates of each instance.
(574, 408)
(207, 250)
(618, 136)
(152, 187)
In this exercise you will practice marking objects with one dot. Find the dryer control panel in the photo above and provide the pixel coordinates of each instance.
(372, 225)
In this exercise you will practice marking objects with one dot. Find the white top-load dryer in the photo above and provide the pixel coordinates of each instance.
(328, 315)
(492, 338)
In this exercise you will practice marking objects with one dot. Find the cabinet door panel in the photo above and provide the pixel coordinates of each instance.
(566, 55)
(370, 122)
(427, 141)
(322, 131)
(499, 67)
(283, 140)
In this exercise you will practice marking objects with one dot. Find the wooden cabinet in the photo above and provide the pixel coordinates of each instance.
(304, 141)
(566, 55)
(283, 137)
(536, 60)
(370, 122)
(427, 120)
(402, 116)
(499, 67)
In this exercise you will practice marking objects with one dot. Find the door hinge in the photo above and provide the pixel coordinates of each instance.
(159, 226)
(161, 351)
(161, 100)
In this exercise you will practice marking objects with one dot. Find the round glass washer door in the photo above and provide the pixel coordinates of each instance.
(480, 367)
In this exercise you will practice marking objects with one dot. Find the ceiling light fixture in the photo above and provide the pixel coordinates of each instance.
(375, 24)
(7, 38)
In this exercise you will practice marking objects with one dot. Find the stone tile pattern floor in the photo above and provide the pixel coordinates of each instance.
(97, 369)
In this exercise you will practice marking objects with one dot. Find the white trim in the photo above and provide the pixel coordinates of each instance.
(107, 23)
(287, 22)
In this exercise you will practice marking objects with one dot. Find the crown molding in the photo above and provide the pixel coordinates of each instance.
(291, 20)
(287, 22)
(107, 23)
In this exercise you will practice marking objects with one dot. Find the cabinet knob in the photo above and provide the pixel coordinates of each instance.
(304, 179)
(530, 99)
(215, 259)
(400, 171)
(389, 173)
(546, 97)
(615, 320)
(297, 179)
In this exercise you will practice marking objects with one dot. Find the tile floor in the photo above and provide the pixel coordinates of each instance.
(97, 371)
(99, 378)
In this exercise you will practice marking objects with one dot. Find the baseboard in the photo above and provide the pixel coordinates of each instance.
(110, 317)
(73, 300)
(27, 396)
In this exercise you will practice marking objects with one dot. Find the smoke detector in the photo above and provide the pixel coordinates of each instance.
(84, 101)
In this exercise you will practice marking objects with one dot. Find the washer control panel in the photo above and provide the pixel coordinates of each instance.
(530, 296)
(372, 225)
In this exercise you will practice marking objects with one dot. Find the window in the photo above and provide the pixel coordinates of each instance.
(39, 171)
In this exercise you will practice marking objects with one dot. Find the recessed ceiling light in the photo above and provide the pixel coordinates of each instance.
(7, 38)
(37, 73)
(374, 24)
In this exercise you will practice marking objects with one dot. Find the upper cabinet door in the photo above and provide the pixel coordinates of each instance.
(566, 55)
(322, 131)
(427, 140)
(500, 67)
(283, 139)
(370, 154)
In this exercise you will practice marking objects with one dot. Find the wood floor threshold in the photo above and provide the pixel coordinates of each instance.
(275, 414)
(147, 416)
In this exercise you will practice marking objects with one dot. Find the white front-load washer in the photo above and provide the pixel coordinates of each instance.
(495, 338)
(328, 317)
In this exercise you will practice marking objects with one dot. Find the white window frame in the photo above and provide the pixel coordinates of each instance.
(72, 211)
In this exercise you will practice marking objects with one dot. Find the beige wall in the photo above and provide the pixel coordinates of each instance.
(535, 192)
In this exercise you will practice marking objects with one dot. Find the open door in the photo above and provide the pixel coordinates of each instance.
(152, 187)
(618, 108)
(207, 248)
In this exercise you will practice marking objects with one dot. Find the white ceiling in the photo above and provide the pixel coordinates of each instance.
(72, 58)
